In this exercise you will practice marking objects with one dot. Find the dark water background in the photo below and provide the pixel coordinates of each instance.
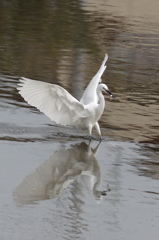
(53, 184)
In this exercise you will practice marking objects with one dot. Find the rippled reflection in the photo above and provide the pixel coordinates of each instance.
(64, 167)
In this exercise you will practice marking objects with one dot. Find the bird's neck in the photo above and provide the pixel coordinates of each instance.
(100, 96)
(101, 101)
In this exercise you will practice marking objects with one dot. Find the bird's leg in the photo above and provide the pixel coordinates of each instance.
(90, 132)
(98, 130)
(90, 139)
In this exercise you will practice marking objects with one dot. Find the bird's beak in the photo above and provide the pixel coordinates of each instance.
(109, 92)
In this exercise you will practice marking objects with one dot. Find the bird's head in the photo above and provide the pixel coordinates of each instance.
(103, 87)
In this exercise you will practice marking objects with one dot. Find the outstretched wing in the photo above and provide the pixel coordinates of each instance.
(89, 94)
(53, 100)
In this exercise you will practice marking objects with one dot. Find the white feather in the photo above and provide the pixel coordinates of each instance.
(52, 100)
(89, 94)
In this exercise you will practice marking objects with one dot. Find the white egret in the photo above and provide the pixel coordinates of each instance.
(61, 107)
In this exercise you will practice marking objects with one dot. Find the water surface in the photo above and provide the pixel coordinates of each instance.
(53, 184)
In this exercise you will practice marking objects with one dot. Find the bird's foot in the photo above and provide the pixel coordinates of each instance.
(99, 138)
(90, 138)
(104, 193)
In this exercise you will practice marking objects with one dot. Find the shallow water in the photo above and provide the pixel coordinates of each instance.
(53, 184)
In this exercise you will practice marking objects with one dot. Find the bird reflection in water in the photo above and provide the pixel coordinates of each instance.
(64, 167)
